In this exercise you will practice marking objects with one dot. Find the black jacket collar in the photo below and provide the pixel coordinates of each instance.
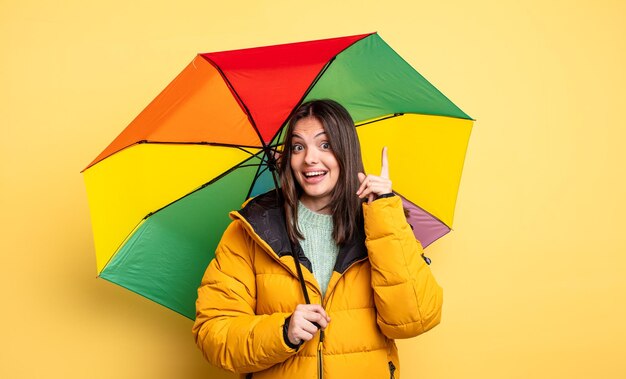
(266, 215)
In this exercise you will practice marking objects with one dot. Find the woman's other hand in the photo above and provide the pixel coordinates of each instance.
(302, 323)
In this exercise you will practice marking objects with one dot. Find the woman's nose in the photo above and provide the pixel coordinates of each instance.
(311, 157)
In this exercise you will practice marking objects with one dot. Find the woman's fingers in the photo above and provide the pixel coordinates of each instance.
(315, 308)
(310, 326)
(314, 313)
(304, 322)
(373, 185)
(384, 167)
(363, 181)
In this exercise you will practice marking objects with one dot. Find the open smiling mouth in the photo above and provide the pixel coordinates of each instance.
(314, 174)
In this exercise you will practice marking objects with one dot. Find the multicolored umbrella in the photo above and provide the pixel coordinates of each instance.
(160, 193)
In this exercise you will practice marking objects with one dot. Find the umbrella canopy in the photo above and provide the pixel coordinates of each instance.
(160, 193)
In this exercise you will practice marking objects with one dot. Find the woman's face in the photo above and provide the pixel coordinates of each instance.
(313, 164)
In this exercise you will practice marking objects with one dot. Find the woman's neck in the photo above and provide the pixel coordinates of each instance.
(315, 205)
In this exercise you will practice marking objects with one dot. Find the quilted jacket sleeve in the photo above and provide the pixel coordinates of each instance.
(407, 297)
(227, 330)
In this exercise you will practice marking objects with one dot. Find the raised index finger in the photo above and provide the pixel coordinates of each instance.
(384, 168)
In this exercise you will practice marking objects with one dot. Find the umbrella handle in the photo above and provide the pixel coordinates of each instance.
(305, 292)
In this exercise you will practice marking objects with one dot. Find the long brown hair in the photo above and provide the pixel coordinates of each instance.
(345, 205)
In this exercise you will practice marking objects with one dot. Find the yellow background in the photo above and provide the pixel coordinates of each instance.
(534, 273)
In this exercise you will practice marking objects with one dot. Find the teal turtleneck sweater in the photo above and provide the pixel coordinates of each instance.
(318, 244)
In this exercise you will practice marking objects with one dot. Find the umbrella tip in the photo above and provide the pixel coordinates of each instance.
(426, 259)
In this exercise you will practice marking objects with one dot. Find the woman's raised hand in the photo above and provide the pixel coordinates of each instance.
(373, 186)
(301, 325)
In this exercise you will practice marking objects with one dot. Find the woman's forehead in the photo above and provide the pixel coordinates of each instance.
(308, 127)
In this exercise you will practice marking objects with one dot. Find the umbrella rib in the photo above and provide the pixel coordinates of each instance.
(306, 93)
(160, 302)
(122, 244)
(218, 144)
(239, 165)
(247, 112)
(249, 165)
(317, 78)
(379, 119)
(424, 210)
(278, 137)
(371, 121)
(239, 100)
(220, 176)
(258, 174)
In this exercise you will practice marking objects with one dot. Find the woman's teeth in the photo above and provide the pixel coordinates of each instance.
(314, 173)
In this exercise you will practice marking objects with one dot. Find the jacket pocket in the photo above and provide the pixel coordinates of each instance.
(392, 369)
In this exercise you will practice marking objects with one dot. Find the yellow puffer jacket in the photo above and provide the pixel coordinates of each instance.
(381, 289)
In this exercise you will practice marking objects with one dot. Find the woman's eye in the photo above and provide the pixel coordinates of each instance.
(325, 145)
(297, 148)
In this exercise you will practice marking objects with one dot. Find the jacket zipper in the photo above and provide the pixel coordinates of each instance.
(392, 369)
(320, 363)
(320, 345)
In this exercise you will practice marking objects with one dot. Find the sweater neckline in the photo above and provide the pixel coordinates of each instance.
(313, 219)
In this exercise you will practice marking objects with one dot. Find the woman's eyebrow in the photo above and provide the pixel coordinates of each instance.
(296, 135)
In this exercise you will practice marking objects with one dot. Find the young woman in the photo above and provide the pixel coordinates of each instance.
(359, 283)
